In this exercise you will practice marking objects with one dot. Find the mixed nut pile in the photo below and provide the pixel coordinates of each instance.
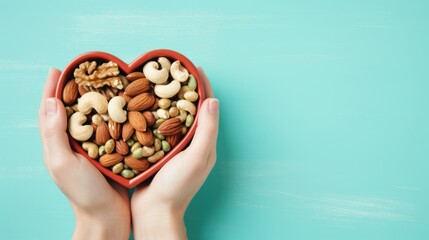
(130, 122)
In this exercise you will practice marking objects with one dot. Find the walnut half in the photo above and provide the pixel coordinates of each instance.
(89, 75)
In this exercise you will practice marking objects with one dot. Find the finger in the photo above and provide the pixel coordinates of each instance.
(207, 130)
(207, 86)
(48, 91)
(55, 140)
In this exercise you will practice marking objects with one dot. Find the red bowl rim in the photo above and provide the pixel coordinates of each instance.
(67, 74)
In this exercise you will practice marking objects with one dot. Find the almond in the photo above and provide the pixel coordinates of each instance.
(170, 126)
(127, 98)
(154, 106)
(70, 92)
(137, 87)
(114, 129)
(82, 90)
(150, 118)
(137, 120)
(134, 76)
(141, 102)
(137, 164)
(94, 126)
(121, 147)
(102, 134)
(145, 138)
(127, 131)
(174, 139)
(108, 160)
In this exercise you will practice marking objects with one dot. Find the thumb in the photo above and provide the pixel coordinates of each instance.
(55, 139)
(206, 134)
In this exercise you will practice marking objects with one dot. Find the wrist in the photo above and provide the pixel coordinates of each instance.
(164, 223)
(95, 226)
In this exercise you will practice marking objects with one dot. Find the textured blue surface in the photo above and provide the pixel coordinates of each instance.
(324, 104)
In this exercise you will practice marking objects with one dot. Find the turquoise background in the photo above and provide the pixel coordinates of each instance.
(324, 111)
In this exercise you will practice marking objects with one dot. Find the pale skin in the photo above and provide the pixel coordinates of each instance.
(103, 209)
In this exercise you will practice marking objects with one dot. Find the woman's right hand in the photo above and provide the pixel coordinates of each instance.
(158, 208)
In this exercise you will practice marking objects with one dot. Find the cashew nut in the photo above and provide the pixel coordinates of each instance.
(92, 100)
(165, 63)
(116, 111)
(74, 107)
(178, 72)
(91, 148)
(105, 117)
(182, 115)
(77, 130)
(154, 74)
(168, 90)
(187, 106)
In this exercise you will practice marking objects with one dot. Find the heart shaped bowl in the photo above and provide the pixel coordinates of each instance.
(136, 65)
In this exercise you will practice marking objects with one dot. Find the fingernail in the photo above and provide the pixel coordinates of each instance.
(214, 106)
(51, 106)
(50, 70)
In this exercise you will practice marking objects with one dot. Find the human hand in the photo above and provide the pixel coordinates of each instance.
(102, 209)
(159, 207)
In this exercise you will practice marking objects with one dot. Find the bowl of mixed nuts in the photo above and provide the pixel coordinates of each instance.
(129, 120)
